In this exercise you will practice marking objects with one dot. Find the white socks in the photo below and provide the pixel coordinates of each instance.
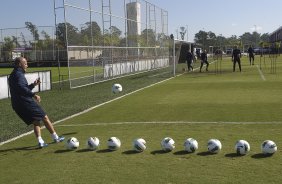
(54, 136)
(40, 140)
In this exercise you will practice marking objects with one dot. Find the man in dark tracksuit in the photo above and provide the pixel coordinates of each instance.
(204, 59)
(25, 102)
(236, 55)
(189, 58)
(251, 55)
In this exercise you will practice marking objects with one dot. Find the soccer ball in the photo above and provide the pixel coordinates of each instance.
(93, 143)
(242, 147)
(139, 145)
(190, 145)
(72, 143)
(116, 88)
(214, 146)
(268, 147)
(167, 144)
(114, 143)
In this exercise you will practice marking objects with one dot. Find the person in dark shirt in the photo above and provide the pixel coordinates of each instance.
(236, 55)
(25, 102)
(251, 55)
(198, 53)
(218, 54)
(189, 59)
(204, 60)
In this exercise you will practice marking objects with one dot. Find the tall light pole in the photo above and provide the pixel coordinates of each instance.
(255, 36)
(220, 41)
(174, 62)
(187, 33)
(1, 50)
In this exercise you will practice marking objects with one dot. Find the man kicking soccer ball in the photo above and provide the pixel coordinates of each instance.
(25, 102)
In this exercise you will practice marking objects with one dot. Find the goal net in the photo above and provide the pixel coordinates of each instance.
(106, 39)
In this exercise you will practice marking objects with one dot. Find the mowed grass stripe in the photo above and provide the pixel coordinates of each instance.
(152, 165)
(155, 122)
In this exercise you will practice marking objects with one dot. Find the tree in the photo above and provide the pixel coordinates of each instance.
(8, 47)
(15, 41)
(112, 36)
(264, 37)
(23, 39)
(205, 39)
(48, 42)
(200, 37)
(96, 33)
(256, 38)
(115, 31)
(148, 38)
(33, 30)
(72, 32)
(247, 39)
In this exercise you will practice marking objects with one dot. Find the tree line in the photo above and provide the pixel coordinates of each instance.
(89, 34)
(92, 34)
(205, 39)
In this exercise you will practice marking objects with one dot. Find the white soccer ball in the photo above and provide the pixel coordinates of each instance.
(139, 145)
(190, 145)
(268, 147)
(72, 143)
(116, 88)
(168, 144)
(93, 143)
(214, 146)
(242, 147)
(114, 143)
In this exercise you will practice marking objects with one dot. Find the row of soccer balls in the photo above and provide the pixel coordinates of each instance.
(242, 147)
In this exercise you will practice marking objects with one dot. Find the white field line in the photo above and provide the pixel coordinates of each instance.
(158, 74)
(168, 122)
(85, 111)
(261, 74)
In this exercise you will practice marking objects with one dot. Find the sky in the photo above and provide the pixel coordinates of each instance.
(222, 17)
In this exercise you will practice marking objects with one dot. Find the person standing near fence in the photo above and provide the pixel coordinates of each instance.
(25, 102)
(189, 59)
(204, 60)
(251, 55)
(236, 58)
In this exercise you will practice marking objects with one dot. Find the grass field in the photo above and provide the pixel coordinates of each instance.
(228, 106)
(75, 71)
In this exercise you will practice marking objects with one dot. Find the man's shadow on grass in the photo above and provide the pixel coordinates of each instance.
(261, 155)
(105, 151)
(29, 148)
(183, 152)
(25, 148)
(206, 153)
(131, 152)
(69, 133)
(158, 152)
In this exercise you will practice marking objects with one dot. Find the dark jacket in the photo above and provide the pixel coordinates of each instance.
(251, 51)
(20, 90)
(204, 56)
(22, 97)
(236, 55)
(189, 57)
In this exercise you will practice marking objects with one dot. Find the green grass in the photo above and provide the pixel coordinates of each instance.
(151, 166)
(62, 103)
(199, 105)
(75, 71)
